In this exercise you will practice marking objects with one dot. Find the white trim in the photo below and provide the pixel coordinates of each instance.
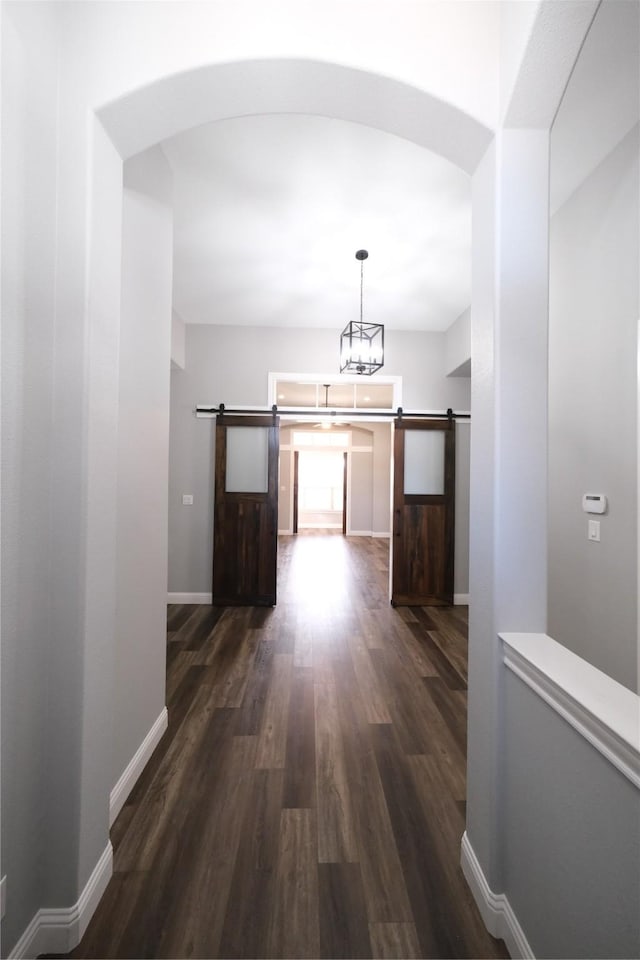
(60, 930)
(461, 599)
(495, 909)
(359, 533)
(189, 598)
(136, 765)
(603, 711)
(381, 534)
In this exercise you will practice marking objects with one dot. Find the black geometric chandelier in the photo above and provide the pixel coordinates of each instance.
(361, 344)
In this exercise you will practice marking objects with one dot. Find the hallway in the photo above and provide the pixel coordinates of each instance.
(308, 798)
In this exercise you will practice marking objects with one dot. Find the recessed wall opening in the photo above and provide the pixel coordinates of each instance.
(335, 391)
(337, 395)
(334, 477)
(320, 489)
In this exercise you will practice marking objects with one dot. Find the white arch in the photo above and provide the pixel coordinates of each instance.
(181, 101)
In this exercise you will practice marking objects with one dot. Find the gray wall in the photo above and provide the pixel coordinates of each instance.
(231, 365)
(285, 518)
(362, 482)
(381, 521)
(361, 491)
(571, 873)
(143, 453)
(592, 415)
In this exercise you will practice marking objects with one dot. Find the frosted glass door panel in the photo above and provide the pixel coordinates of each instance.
(247, 459)
(424, 462)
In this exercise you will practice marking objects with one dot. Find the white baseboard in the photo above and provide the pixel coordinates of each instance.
(381, 535)
(461, 599)
(60, 930)
(495, 909)
(136, 765)
(189, 598)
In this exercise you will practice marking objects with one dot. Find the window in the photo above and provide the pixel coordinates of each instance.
(336, 396)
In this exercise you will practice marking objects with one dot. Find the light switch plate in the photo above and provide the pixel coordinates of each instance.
(594, 530)
(187, 499)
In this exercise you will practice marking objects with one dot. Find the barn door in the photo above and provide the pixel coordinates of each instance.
(423, 512)
(246, 511)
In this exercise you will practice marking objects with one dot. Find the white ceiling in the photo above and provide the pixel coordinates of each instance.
(270, 210)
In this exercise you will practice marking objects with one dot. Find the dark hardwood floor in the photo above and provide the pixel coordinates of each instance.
(308, 798)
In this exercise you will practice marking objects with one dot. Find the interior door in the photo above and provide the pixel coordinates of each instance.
(245, 533)
(423, 512)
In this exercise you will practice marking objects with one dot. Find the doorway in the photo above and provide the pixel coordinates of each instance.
(348, 492)
(320, 490)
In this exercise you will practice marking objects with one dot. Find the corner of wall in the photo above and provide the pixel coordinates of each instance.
(457, 349)
(495, 909)
(178, 341)
(60, 930)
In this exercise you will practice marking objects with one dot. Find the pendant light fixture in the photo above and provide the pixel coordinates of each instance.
(329, 420)
(361, 344)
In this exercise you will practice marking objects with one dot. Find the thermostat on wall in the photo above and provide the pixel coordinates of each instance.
(594, 503)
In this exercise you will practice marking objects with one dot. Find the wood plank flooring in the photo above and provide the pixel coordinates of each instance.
(308, 797)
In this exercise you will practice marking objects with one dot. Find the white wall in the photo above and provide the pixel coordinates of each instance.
(507, 572)
(231, 365)
(143, 453)
(177, 340)
(28, 324)
(593, 324)
(458, 346)
(516, 25)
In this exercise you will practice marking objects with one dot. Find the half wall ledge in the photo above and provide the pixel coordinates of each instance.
(603, 711)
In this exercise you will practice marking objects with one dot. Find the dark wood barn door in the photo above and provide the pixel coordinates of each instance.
(245, 533)
(422, 550)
